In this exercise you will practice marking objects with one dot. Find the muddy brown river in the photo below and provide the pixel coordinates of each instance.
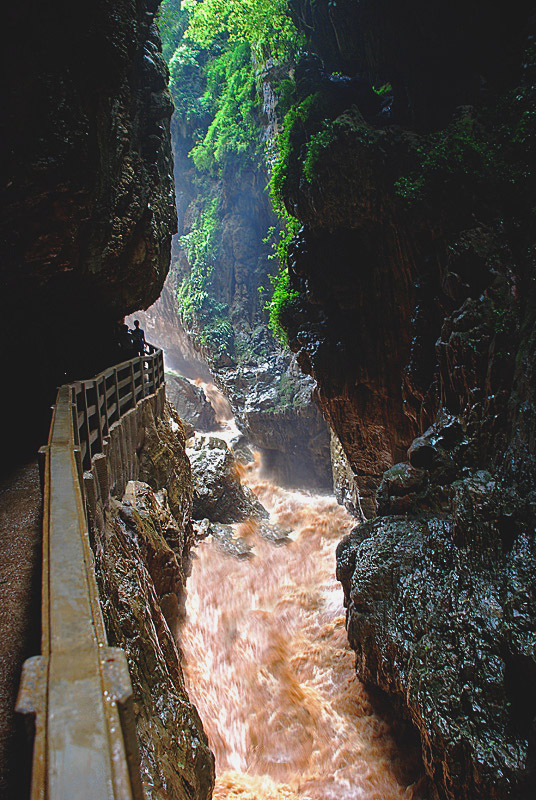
(269, 668)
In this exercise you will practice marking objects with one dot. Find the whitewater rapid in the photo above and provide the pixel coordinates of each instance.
(268, 665)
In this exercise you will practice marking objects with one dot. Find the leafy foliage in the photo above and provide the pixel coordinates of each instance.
(264, 24)
(171, 24)
(295, 117)
(186, 85)
(316, 145)
(200, 313)
(383, 90)
(280, 303)
(216, 50)
(231, 94)
(460, 156)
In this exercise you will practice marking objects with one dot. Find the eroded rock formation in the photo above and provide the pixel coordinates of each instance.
(218, 493)
(416, 318)
(274, 408)
(190, 402)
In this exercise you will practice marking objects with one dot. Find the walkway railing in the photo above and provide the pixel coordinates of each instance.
(79, 689)
(104, 399)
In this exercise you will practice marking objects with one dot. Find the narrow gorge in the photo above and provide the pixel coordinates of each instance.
(305, 497)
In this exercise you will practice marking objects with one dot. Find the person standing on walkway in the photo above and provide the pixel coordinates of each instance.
(138, 338)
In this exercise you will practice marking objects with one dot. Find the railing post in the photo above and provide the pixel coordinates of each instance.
(133, 384)
(153, 364)
(87, 459)
(116, 382)
(106, 426)
(142, 361)
(99, 416)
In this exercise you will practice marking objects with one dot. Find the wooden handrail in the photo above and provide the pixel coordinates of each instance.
(143, 376)
(79, 688)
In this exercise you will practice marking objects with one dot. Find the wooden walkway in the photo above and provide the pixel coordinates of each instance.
(78, 689)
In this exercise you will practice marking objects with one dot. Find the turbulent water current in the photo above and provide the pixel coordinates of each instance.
(268, 665)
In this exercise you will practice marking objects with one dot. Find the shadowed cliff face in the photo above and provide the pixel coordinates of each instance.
(436, 55)
(87, 192)
(416, 316)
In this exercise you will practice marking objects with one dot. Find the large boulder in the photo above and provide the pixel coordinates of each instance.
(191, 403)
(273, 407)
(218, 493)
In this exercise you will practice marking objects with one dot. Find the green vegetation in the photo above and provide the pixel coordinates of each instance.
(231, 97)
(264, 24)
(486, 151)
(171, 24)
(216, 50)
(460, 154)
(315, 147)
(381, 91)
(280, 303)
(294, 120)
(283, 294)
(186, 80)
(202, 316)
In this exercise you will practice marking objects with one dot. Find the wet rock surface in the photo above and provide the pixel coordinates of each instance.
(228, 542)
(235, 541)
(344, 480)
(444, 628)
(190, 402)
(141, 539)
(144, 590)
(273, 406)
(416, 318)
(218, 494)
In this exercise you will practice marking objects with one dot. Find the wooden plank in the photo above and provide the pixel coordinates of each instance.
(132, 384)
(100, 432)
(153, 367)
(87, 430)
(124, 382)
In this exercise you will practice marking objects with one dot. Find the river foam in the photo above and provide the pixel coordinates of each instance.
(268, 665)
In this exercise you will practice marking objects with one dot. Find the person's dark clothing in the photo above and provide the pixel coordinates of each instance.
(125, 343)
(138, 340)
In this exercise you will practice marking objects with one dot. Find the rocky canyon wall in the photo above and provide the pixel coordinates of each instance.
(410, 166)
(87, 191)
